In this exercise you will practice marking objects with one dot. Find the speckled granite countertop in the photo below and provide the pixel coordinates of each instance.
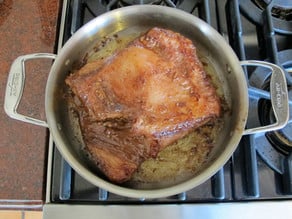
(25, 27)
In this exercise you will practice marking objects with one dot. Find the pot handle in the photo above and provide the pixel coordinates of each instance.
(15, 86)
(278, 96)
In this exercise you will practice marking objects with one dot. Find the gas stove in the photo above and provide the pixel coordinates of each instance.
(258, 175)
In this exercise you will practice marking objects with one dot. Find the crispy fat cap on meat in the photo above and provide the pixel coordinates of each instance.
(141, 99)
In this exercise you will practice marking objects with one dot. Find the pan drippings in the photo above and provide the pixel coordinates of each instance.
(182, 159)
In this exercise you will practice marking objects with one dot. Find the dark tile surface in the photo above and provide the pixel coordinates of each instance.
(25, 27)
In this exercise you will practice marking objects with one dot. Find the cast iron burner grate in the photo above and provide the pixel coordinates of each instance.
(273, 149)
(279, 11)
(275, 146)
(122, 3)
(82, 11)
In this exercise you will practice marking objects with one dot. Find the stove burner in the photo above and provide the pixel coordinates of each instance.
(281, 8)
(281, 139)
(281, 13)
(272, 147)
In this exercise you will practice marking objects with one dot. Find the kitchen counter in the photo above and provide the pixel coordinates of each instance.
(25, 27)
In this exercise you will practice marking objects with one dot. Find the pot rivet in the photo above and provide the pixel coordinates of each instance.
(59, 127)
(67, 62)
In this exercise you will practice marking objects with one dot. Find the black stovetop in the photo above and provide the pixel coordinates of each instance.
(261, 167)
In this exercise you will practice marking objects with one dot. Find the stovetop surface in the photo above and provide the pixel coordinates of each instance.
(257, 170)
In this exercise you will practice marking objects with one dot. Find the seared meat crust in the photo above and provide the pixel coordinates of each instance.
(141, 99)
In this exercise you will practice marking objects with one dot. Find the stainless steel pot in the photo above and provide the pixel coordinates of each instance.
(138, 19)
